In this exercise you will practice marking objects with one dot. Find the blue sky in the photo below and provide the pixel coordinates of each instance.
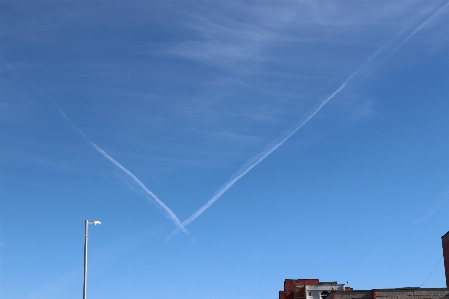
(318, 130)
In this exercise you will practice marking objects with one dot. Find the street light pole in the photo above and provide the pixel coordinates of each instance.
(86, 224)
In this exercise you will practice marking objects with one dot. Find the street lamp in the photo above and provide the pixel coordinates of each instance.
(86, 224)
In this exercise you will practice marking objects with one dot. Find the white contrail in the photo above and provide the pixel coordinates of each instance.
(259, 158)
(170, 213)
(422, 25)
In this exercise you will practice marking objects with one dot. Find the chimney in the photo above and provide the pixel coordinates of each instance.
(445, 240)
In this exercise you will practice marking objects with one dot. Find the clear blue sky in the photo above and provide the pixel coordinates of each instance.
(326, 123)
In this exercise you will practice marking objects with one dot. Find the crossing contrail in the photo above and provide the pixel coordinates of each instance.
(260, 157)
(169, 212)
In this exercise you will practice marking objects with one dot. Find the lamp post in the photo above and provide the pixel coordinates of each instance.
(86, 224)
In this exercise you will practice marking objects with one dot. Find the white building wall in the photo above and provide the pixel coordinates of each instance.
(314, 292)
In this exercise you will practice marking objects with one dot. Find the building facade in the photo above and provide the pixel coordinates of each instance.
(400, 293)
(308, 289)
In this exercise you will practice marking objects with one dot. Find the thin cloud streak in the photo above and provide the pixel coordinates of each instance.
(170, 213)
(259, 158)
(422, 25)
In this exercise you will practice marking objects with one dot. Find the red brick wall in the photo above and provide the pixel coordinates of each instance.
(290, 287)
(289, 284)
(446, 258)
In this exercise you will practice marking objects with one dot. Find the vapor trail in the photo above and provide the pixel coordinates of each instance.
(422, 25)
(170, 213)
(259, 158)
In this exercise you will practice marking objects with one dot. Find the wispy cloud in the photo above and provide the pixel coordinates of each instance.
(236, 40)
(252, 68)
(231, 40)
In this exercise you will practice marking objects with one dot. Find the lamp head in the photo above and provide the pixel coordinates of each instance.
(95, 222)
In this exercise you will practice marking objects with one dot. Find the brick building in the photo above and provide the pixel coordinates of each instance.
(400, 293)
